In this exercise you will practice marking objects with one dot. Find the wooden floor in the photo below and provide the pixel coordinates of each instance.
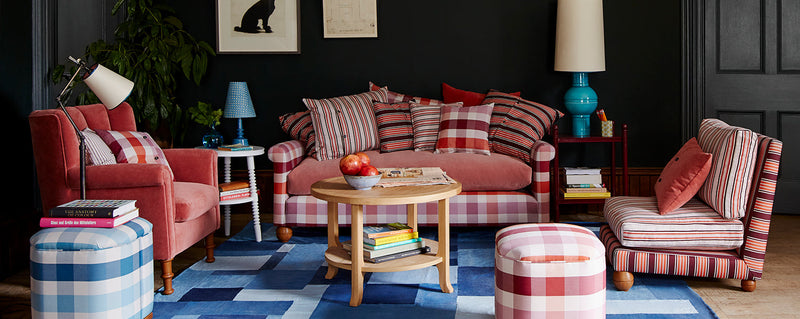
(776, 296)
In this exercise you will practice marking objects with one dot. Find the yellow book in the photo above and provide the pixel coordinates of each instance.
(587, 195)
(390, 239)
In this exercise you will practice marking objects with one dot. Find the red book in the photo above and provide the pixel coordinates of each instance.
(88, 222)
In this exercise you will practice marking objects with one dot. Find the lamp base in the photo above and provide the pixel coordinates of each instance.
(242, 141)
(580, 125)
(580, 101)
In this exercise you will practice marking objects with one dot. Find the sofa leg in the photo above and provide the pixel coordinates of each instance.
(166, 275)
(623, 280)
(749, 285)
(210, 248)
(284, 233)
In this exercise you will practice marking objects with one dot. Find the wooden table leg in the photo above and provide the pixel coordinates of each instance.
(357, 253)
(333, 235)
(411, 210)
(444, 245)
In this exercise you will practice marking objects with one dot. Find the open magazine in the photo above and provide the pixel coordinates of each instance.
(413, 176)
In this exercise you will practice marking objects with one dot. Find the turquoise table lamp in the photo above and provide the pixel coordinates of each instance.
(238, 105)
(580, 49)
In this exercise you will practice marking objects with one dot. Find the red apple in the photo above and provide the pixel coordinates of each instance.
(364, 158)
(350, 164)
(368, 170)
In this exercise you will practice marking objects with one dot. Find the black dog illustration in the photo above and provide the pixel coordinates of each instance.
(261, 10)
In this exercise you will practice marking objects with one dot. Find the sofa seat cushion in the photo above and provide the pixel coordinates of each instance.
(193, 200)
(476, 172)
(637, 223)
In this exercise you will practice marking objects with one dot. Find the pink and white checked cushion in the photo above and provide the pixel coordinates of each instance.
(133, 147)
(425, 122)
(394, 126)
(394, 97)
(728, 183)
(464, 129)
(346, 124)
(300, 127)
(517, 124)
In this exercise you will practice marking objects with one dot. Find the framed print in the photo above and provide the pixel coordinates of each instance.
(350, 18)
(258, 26)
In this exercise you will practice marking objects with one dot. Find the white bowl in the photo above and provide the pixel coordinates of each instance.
(362, 182)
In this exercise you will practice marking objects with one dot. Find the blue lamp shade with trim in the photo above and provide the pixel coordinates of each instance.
(239, 105)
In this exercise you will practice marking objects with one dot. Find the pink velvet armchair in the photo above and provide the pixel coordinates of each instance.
(183, 211)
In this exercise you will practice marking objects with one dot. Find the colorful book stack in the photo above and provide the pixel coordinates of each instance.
(100, 213)
(235, 147)
(389, 242)
(234, 190)
(584, 183)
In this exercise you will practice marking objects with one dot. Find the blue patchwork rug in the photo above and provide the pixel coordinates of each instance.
(287, 280)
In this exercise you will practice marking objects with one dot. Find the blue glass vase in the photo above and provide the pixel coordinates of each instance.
(212, 138)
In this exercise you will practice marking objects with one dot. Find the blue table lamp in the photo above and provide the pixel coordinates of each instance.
(580, 49)
(238, 105)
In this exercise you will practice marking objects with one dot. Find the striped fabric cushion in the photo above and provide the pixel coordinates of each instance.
(394, 97)
(728, 183)
(394, 126)
(134, 147)
(518, 123)
(300, 127)
(425, 122)
(97, 152)
(464, 129)
(345, 124)
(637, 223)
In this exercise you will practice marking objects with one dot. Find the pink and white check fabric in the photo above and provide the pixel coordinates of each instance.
(549, 271)
(464, 129)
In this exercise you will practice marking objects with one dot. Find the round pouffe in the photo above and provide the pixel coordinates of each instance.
(549, 271)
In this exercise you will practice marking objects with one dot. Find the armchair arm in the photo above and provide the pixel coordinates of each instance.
(195, 165)
(284, 156)
(541, 155)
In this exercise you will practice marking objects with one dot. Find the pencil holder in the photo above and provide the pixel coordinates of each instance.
(607, 128)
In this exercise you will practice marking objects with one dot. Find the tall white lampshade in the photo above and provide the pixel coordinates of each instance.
(111, 88)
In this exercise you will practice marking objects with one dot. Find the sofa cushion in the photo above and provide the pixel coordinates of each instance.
(728, 183)
(299, 127)
(394, 126)
(469, 98)
(394, 97)
(682, 177)
(637, 223)
(476, 172)
(193, 200)
(464, 129)
(517, 124)
(425, 121)
(346, 124)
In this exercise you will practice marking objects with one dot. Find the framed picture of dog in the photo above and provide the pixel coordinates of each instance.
(258, 26)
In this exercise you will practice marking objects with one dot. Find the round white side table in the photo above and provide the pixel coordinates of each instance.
(253, 199)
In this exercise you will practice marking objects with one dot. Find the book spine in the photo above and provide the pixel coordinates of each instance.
(394, 250)
(82, 212)
(404, 254)
(390, 239)
(234, 196)
(388, 233)
(76, 222)
(389, 245)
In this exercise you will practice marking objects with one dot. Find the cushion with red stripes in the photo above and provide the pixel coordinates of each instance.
(394, 126)
(299, 127)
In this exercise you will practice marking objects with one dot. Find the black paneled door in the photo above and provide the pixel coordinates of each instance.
(749, 76)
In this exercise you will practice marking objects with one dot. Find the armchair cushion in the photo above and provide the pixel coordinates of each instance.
(133, 147)
(637, 223)
(97, 152)
(193, 200)
(682, 177)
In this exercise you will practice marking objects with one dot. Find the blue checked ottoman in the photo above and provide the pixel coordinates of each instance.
(93, 272)
(549, 271)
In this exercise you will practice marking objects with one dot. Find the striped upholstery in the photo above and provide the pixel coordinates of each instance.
(637, 223)
(549, 271)
(464, 129)
(734, 150)
(97, 152)
(425, 122)
(466, 209)
(394, 126)
(745, 262)
(518, 123)
(299, 127)
(93, 272)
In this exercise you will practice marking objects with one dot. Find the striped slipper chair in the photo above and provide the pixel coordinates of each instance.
(702, 238)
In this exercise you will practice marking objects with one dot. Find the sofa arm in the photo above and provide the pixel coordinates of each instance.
(284, 156)
(195, 165)
(541, 155)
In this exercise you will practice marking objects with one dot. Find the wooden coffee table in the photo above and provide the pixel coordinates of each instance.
(335, 190)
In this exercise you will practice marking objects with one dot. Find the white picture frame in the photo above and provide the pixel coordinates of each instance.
(350, 18)
(281, 35)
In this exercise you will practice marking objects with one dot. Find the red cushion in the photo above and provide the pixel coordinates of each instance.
(453, 95)
(682, 177)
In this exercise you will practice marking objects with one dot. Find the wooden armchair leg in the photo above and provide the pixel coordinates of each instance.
(210, 248)
(284, 233)
(623, 280)
(166, 275)
(749, 285)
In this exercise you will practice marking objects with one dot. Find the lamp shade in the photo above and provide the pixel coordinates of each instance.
(579, 36)
(110, 87)
(238, 104)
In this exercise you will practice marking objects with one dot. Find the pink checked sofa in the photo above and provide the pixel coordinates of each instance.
(498, 189)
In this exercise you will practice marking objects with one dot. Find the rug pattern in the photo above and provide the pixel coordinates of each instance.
(287, 280)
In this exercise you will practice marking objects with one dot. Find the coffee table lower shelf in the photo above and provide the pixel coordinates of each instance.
(340, 258)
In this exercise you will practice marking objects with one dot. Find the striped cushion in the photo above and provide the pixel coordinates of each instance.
(394, 97)
(425, 122)
(394, 126)
(728, 183)
(464, 129)
(134, 147)
(637, 223)
(97, 152)
(300, 127)
(518, 123)
(345, 124)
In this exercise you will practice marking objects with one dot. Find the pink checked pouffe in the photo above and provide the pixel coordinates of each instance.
(549, 271)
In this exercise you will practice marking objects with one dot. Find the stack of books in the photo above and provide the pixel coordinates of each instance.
(99, 213)
(389, 242)
(235, 147)
(584, 183)
(234, 190)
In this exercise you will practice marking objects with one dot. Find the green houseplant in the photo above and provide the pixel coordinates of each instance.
(152, 49)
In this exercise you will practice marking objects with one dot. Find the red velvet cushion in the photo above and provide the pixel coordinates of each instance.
(453, 95)
(682, 177)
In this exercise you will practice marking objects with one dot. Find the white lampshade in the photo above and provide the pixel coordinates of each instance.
(579, 36)
(110, 87)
